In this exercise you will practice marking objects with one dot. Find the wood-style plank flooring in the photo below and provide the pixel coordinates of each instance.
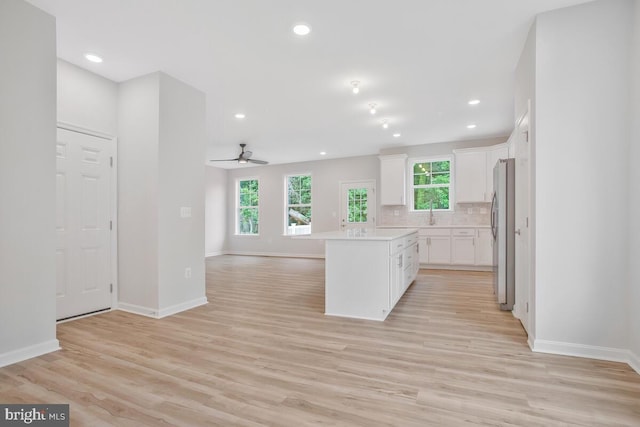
(262, 353)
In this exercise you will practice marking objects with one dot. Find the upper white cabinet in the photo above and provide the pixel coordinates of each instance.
(393, 179)
(474, 172)
(470, 167)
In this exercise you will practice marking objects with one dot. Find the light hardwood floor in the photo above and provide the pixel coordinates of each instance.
(262, 353)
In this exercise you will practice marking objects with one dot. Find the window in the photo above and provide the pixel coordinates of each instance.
(298, 204)
(248, 211)
(431, 184)
(357, 205)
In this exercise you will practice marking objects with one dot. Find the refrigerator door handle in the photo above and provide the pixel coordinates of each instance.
(493, 214)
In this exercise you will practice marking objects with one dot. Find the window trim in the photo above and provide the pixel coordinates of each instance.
(285, 215)
(431, 159)
(237, 206)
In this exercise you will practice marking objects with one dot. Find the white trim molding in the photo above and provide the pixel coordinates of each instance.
(29, 352)
(581, 350)
(163, 312)
(634, 361)
(217, 253)
(275, 254)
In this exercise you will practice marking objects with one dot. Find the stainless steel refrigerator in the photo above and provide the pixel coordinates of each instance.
(503, 213)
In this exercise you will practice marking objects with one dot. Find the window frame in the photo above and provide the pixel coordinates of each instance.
(286, 203)
(412, 187)
(238, 207)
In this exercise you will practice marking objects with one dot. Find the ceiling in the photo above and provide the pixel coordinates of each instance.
(421, 61)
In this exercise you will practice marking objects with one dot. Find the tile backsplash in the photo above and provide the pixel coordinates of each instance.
(463, 214)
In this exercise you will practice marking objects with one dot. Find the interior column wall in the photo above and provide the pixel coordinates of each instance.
(27, 182)
(215, 210)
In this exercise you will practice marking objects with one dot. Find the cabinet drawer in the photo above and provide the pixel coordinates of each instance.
(467, 232)
(411, 239)
(435, 232)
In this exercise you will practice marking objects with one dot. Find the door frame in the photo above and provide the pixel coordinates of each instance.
(113, 212)
(371, 182)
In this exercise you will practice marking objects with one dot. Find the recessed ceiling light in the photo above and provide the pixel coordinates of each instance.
(372, 108)
(471, 126)
(239, 116)
(323, 153)
(397, 135)
(385, 124)
(474, 102)
(301, 29)
(93, 57)
(355, 86)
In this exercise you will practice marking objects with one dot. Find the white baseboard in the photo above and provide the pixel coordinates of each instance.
(163, 312)
(581, 350)
(530, 341)
(276, 254)
(634, 361)
(424, 266)
(218, 253)
(25, 353)
(177, 308)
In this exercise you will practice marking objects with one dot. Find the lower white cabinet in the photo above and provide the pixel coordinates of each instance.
(456, 246)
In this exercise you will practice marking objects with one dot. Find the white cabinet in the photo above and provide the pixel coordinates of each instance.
(470, 181)
(474, 172)
(463, 246)
(437, 246)
(393, 178)
(484, 247)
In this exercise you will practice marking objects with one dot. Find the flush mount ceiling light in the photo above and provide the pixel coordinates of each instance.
(372, 107)
(355, 86)
(323, 153)
(301, 29)
(472, 126)
(239, 116)
(397, 135)
(385, 124)
(474, 102)
(93, 57)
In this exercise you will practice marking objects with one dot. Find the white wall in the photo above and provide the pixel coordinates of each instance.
(326, 175)
(442, 148)
(138, 163)
(27, 182)
(582, 122)
(181, 184)
(215, 210)
(161, 141)
(634, 196)
(86, 99)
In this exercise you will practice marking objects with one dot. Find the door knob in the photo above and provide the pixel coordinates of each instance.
(518, 231)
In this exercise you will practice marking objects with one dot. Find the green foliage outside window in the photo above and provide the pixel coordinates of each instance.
(298, 200)
(431, 184)
(357, 205)
(248, 207)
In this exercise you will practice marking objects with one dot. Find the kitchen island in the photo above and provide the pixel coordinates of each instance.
(368, 270)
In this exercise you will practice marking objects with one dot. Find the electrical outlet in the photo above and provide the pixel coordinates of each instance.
(187, 273)
(185, 212)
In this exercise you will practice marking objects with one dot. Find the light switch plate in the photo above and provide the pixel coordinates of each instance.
(185, 212)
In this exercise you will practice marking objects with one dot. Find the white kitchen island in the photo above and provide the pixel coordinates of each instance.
(368, 270)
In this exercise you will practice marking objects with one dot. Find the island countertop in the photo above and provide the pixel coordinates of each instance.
(364, 234)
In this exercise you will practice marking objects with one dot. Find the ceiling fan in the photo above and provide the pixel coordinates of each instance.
(243, 157)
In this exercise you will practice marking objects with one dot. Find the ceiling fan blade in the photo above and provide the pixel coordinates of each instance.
(258, 162)
(225, 160)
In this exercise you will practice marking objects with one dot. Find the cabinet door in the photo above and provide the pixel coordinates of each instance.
(395, 284)
(499, 152)
(439, 250)
(471, 171)
(393, 180)
(423, 250)
(463, 250)
(484, 247)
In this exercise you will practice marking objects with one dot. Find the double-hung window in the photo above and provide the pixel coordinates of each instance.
(431, 184)
(248, 199)
(298, 204)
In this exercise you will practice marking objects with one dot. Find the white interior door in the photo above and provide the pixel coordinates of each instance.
(523, 191)
(83, 223)
(358, 204)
